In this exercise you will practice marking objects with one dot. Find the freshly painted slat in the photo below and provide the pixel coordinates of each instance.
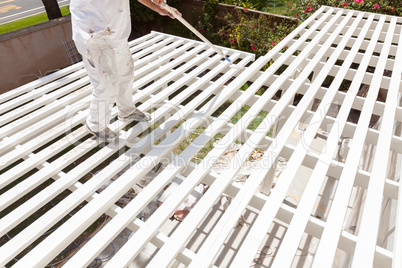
(211, 246)
(334, 223)
(397, 257)
(115, 194)
(295, 231)
(20, 213)
(60, 116)
(370, 221)
(145, 196)
(177, 241)
(267, 214)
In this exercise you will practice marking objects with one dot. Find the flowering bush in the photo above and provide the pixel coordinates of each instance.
(256, 35)
(389, 7)
(251, 4)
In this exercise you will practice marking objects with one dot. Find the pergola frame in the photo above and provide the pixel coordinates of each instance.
(184, 83)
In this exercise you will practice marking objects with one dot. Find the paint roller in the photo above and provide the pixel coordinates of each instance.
(191, 28)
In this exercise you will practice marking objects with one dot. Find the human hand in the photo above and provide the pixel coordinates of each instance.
(157, 2)
(164, 12)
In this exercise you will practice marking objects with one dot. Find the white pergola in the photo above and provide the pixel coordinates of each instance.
(351, 167)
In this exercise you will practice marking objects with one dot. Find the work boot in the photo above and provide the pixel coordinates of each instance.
(106, 135)
(137, 115)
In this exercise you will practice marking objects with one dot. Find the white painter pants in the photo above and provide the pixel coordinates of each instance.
(110, 68)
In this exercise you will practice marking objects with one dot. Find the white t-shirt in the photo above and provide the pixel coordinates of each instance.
(92, 17)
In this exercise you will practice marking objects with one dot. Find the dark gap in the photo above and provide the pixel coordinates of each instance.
(328, 81)
(354, 65)
(16, 107)
(191, 97)
(146, 55)
(370, 69)
(191, 69)
(177, 92)
(217, 77)
(204, 102)
(178, 66)
(281, 69)
(204, 73)
(345, 85)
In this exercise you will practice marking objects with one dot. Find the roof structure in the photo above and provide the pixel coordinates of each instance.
(329, 104)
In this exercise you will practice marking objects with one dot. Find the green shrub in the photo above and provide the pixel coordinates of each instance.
(256, 35)
(388, 7)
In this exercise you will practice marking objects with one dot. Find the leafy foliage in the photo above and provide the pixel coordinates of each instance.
(388, 7)
(256, 35)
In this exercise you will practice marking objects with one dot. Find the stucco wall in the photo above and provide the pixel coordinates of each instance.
(29, 53)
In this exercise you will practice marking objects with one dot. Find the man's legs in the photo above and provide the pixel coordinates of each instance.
(100, 64)
(124, 100)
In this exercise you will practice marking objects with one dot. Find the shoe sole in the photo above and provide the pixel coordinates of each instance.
(133, 119)
(96, 135)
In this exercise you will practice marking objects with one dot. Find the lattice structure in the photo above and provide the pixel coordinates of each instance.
(330, 105)
(71, 51)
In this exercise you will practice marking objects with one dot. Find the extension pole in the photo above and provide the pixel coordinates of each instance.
(191, 28)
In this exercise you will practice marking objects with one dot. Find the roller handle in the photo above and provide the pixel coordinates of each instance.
(191, 28)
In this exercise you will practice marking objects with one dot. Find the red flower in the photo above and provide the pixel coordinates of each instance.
(376, 6)
(360, 1)
(309, 8)
(344, 4)
(273, 42)
(231, 41)
(393, 8)
(290, 3)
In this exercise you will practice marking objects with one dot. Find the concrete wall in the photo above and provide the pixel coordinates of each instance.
(32, 52)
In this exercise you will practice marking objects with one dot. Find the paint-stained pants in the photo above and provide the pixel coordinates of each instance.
(110, 68)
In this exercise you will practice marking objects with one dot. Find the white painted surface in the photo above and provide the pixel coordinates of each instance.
(185, 83)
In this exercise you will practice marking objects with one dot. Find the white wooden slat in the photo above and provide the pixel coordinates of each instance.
(330, 236)
(160, 60)
(146, 49)
(169, 250)
(302, 215)
(10, 99)
(217, 103)
(160, 55)
(38, 83)
(314, 227)
(335, 169)
(28, 132)
(367, 237)
(22, 212)
(14, 173)
(397, 257)
(46, 99)
(39, 92)
(39, 102)
(158, 240)
(119, 222)
(224, 49)
(267, 214)
(39, 141)
(115, 194)
(33, 117)
(133, 239)
(213, 243)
